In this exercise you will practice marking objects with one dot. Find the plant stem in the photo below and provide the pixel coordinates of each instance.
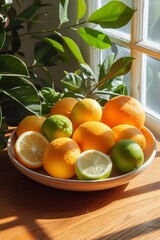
(98, 85)
(53, 29)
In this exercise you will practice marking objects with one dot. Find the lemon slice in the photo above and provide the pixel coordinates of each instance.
(93, 165)
(29, 149)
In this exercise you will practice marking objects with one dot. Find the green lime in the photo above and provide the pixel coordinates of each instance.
(127, 155)
(57, 126)
(93, 165)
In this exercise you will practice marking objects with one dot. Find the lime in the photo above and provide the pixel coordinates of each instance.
(127, 155)
(57, 126)
(93, 165)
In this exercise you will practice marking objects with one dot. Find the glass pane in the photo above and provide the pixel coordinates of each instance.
(127, 28)
(153, 86)
(154, 21)
(120, 52)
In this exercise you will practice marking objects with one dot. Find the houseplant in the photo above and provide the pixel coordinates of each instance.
(22, 91)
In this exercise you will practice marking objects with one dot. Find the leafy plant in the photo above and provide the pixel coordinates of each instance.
(22, 90)
(83, 83)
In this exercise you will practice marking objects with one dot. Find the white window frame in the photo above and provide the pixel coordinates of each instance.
(138, 49)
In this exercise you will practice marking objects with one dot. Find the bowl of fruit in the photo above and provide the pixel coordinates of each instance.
(81, 146)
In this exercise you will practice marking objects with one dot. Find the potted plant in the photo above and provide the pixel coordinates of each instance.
(22, 90)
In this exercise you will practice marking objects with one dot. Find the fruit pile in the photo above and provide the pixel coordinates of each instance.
(81, 138)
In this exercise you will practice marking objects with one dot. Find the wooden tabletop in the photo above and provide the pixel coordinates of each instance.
(31, 211)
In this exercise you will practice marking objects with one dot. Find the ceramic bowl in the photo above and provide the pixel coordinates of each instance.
(116, 178)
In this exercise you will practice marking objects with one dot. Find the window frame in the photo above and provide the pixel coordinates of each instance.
(140, 49)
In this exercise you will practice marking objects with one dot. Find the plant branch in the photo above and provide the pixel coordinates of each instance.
(73, 26)
(98, 85)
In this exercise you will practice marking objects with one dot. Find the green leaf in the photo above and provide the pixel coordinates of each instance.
(121, 67)
(81, 9)
(106, 65)
(12, 66)
(87, 72)
(28, 12)
(50, 97)
(55, 44)
(58, 46)
(63, 11)
(74, 83)
(25, 16)
(94, 38)
(46, 54)
(22, 91)
(115, 14)
(74, 48)
(2, 35)
(47, 80)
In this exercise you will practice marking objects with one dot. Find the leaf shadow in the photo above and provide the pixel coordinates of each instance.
(135, 231)
(21, 196)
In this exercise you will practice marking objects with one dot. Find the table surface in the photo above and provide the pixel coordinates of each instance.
(31, 211)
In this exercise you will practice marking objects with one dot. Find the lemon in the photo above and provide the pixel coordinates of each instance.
(93, 165)
(29, 149)
(127, 155)
(85, 110)
(57, 126)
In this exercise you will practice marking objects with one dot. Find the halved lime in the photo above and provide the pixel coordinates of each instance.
(93, 165)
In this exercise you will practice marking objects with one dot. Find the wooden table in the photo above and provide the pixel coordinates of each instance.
(31, 211)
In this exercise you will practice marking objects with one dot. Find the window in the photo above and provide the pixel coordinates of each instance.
(141, 39)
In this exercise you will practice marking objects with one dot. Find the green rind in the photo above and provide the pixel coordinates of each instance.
(127, 155)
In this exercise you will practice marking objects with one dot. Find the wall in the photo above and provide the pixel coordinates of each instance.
(52, 21)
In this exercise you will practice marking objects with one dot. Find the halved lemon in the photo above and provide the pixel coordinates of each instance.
(29, 149)
(93, 165)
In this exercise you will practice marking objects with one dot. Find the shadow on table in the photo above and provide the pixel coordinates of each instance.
(22, 197)
(135, 231)
(158, 154)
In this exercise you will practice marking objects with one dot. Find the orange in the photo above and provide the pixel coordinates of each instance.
(29, 149)
(94, 135)
(30, 123)
(64, 106)
(60, 156)
(123, 110)
(86, 110)
(125, 131)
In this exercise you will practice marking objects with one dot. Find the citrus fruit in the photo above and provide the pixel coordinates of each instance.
(94, 135)
(30, 123)
(93, 165)
(60, 156)
(29, 149)
(64, 106)
(123, 110)
(125, 131)
(86, 110)
(127, 155)
(57, 126)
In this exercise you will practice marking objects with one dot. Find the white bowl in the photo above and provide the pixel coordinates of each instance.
(115, 180)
